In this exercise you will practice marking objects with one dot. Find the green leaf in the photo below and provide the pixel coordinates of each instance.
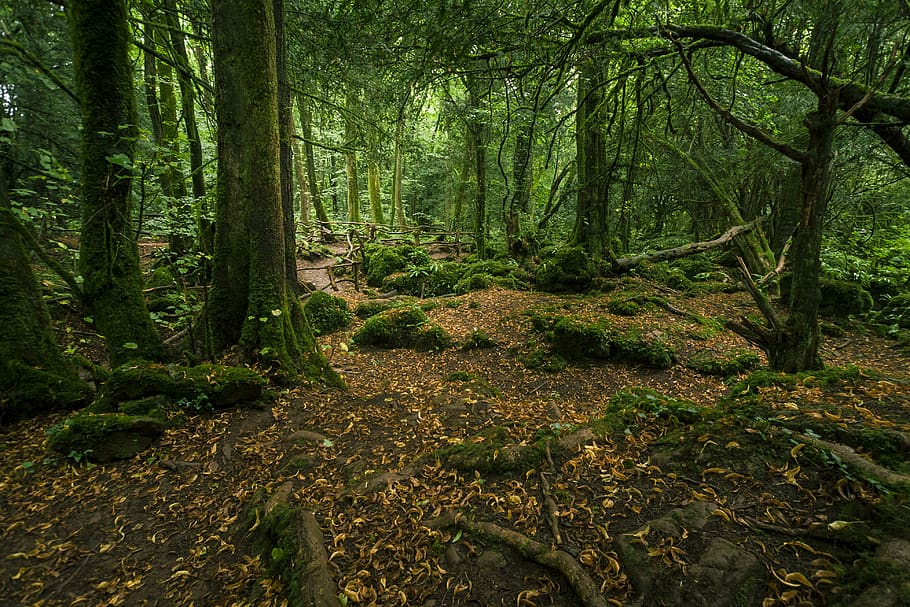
(130, 345)
(121, 160)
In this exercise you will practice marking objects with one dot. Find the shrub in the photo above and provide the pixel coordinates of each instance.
(623, 307)
(381, 261)
(896, 311)
(326, 312)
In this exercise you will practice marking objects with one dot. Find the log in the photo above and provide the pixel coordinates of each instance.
(625, 264)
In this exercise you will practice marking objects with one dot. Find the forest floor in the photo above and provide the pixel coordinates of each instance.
(749, 509)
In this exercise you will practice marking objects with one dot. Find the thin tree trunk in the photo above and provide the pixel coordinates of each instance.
(351, 136)
(285, 128)
(373, 185)
(478, 144)
(397, 212)
(306, 128)
(108, 255)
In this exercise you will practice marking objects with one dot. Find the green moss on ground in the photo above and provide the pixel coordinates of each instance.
(402, 327)
(707, 362)
(575, 339)
(219, 385)
(326, 313)
(565, 270)
(104, 437)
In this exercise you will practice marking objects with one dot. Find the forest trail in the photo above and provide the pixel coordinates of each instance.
(169, 527)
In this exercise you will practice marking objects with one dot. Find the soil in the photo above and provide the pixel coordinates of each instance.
(771, 525)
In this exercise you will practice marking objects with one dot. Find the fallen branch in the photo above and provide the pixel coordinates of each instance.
(585, 587)
(624, 264)
(552, 510)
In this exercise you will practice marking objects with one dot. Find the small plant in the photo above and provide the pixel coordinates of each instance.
(478, 340)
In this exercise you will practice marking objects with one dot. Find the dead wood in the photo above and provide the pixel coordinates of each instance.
(625, 264)
(559, 560)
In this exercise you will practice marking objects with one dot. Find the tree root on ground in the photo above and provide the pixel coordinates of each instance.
(854, 460)
(585, 587)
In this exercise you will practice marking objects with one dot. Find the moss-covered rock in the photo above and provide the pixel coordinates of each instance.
(478, 340)
(368, 308)
(104, 437)
(402, 327)
(565, 270)
(220, 385)
(633, 408)
(326, 313)
(30, 390)
(380, 261)
(573, 339)
(496, 452)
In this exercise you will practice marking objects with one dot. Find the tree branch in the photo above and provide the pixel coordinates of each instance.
(624, 264)
(745, 127)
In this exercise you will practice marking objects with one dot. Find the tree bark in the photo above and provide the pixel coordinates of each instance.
(34, 376)
(351, 136)
(626, 264)
(252, 304)
(478, 144)
(108, 256)
(592, 230)
(306, 129)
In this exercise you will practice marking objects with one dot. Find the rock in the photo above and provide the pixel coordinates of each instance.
(106, 437)
(723, 574)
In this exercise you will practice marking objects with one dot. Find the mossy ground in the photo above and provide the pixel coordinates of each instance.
(661, 438)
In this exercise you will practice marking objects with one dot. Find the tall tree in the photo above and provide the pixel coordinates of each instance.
(253, 304)
(108, 255)
(34, 376)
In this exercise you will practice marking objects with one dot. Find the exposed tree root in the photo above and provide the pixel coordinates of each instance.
(852, 459)
(561, 561)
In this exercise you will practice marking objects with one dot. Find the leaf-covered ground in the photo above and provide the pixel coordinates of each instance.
(170, 527)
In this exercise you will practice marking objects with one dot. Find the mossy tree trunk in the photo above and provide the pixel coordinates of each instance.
(522, 179)
(351, 138)
(252, 304)
(108, 256)
(34, 376)
(306, 129)
(285, 130)
(592, 229)
(397, 212)
(477, 143)
(373, 185)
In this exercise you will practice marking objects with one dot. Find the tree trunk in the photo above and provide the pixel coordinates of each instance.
(34, 376)
(522, 174)
(373, 186)
(108, 256)
(478, 144)
(397, 213)
(285, 129)
(351, 136)
(306, 128)
(252, 304)
(592, 230)
(188, 107)
(797, 347)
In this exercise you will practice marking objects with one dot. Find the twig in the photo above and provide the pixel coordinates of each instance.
(552, 510)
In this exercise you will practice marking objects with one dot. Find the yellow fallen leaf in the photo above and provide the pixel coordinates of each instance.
(795, 450)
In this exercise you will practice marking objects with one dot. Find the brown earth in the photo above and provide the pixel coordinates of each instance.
(169, 527)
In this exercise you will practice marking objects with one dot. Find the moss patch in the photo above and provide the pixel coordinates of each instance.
(707, 362)
(105, 437)
(565, 270)
(403, 327)
(326, 313)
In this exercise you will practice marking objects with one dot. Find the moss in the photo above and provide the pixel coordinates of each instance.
(733, 363)
(402, 327)
(492, 451)
(830, 378)
(326, 313)
(633, 408)
(544, 359)
(365, 309)
(105, 437)
(277, 543)
(565, 270)
(478, 340)
(222, 386)
(573, 339)
(474, 282)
